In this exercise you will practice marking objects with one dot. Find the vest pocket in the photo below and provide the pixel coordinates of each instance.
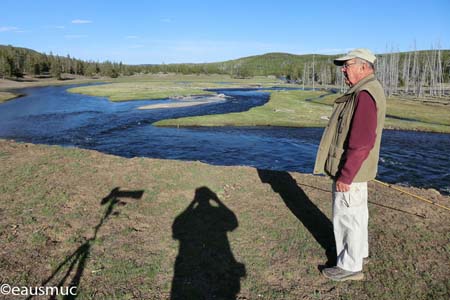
(339, 124)
(334, 160)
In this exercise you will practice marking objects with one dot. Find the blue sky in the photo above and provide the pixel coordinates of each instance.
(137, 32)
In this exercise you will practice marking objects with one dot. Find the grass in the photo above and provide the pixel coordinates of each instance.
(5, 96)
(164, 86)
(291, 108)
(417, 114)
(59, 209)
(432, 113)
(285, 108)
(7, 86)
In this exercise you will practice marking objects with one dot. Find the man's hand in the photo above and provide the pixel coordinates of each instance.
(342, 187)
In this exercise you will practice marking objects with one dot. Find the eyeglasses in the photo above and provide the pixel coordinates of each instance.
(345, 66)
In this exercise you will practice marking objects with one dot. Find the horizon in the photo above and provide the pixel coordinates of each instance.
(203, 32)
(237, 58)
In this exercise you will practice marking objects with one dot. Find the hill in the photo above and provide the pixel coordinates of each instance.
(415, 72)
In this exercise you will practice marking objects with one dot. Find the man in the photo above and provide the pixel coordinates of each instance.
(348, 153)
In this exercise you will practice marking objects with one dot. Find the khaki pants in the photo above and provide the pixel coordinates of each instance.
(350, 224)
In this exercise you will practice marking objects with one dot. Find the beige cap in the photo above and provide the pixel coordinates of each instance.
(362, 53)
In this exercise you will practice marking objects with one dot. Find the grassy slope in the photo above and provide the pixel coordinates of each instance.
(51, 202)
(272, 63)
(423, 116)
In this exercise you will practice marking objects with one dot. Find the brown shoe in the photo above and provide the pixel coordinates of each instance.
(338, 274)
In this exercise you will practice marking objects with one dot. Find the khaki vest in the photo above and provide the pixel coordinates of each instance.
(331, 154)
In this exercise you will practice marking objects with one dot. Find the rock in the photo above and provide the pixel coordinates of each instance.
(434, 192)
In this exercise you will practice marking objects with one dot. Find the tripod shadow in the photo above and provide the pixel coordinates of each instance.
(205, 267)
(75, 263)
(306, 212)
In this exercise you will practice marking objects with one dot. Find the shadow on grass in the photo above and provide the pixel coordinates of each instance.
(304, 209)
(205, 267)
(74, 264)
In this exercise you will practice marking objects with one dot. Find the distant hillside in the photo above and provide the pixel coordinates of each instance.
(416, 72)
(272, 63)
(277, 64)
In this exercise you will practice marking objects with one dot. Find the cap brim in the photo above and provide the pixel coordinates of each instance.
(341, 60)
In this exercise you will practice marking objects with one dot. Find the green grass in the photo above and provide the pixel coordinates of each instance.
(291, 108)
(420, 115)
(285, 108)
(164, 86)
(433, 113)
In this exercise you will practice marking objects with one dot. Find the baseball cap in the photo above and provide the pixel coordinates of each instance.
(362, 53)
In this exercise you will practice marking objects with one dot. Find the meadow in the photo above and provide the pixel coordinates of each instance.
(294, 108)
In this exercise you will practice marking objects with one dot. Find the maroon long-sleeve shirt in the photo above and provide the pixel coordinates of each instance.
(361, 136)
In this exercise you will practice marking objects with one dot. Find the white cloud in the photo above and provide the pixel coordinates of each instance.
(166, 20)
(131, 37)
(8, 28)
(79, 21)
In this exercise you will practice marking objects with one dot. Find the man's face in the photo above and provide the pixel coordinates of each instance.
(353, 71)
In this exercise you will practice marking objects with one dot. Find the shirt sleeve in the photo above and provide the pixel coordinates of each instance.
(362, 136)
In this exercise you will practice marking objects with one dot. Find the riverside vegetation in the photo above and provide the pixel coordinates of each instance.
(295, 108)
(419, 75)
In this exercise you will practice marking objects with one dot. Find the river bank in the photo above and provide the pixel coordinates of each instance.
(8, 87)
(292, 108)
(298, 108)
(107, 224)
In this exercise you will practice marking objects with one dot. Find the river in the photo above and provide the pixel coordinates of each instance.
(51, 115)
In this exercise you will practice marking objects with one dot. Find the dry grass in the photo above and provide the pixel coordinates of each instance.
(125, 229)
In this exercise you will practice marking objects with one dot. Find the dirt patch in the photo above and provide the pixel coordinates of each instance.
(154, 229)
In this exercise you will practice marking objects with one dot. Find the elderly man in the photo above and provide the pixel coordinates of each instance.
(348, 153)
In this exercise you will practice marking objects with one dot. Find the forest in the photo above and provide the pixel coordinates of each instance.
(418, 73)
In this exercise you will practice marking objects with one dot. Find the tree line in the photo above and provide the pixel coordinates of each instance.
(417, 73)
(16, 62)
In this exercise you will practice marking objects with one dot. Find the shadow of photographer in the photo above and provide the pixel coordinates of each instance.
(70, 271)
(304, 209)
(205, 267)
